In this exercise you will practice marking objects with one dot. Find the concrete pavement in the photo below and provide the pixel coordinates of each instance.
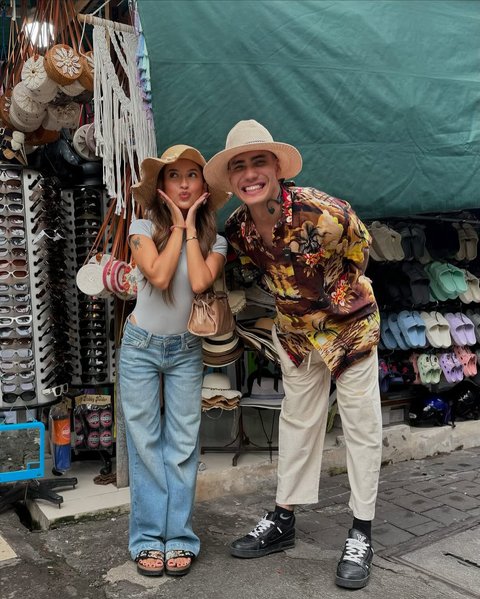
(426, 534)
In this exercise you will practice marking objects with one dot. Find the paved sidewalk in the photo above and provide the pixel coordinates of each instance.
(426, 534)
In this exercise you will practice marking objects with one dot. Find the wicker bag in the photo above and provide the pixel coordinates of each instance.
(86, 77)
(63, 64)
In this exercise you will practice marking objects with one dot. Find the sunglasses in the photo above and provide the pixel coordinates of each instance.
(13, 207)
(15, 252)
(52, 234)
(19, 262)
(9, 320)
(15, 286)
(16, 241)
(25, 364)
(23, 331)
(22, 309)
(9, 173)
(8, 354)
(12, 219)
(16, 341)
(16, 274)
(18, 386)
(17, 297)
(26, 396)
(57, 390)
(11, 376)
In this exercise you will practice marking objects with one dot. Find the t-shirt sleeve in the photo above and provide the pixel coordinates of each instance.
(141, 226)
(220, 246)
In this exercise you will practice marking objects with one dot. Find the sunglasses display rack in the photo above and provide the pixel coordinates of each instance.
(51, 253)
(17, 365)
(97, 351)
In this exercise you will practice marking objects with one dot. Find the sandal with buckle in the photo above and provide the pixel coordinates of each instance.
(150, 554)
(177, 554)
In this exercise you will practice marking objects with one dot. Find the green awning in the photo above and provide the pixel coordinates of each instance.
(381, 97)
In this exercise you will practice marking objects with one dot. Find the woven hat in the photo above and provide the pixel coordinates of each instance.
(220, 357)
(245, 137)
(217, 384)
(145, 192)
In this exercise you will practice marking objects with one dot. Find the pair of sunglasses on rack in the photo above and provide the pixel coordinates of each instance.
(6, 321)
(12, 219)
(11, 388)
(26, 396)
(11, 208)
(22, 331)
(9, 354)
(15, 274)
(24, 364)
(5, 287)
(18, 377)
(19, 298)
(12, 241)
(17, 309)
(14, 231)
(17, 342)
(9, 173)
(57, 391)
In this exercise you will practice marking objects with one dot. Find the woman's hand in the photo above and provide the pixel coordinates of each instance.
(176, 213)
(190, 221)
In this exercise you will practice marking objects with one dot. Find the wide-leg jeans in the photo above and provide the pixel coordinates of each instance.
(162, 447)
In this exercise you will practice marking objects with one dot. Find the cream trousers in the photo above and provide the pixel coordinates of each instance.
(303, 422)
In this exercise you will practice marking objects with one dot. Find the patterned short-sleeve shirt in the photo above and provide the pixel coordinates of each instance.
(315, 271)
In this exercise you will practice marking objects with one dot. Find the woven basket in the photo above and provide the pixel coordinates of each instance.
(86, 78)
(36, 80)
(51, 121)
(74, 89)
(63, 64)
(26, 108)
(19, 123)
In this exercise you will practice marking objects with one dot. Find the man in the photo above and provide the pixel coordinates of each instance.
(312, 251)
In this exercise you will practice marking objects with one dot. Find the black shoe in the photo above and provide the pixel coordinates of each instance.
(269, 536)
(353, 570)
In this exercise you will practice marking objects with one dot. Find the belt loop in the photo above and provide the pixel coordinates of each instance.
(147, 340)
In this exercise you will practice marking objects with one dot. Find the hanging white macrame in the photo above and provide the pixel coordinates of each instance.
(124, 130)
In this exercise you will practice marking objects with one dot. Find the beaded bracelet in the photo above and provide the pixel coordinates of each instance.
(190, 238)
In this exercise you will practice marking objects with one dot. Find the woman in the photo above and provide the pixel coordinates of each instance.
(178, 253)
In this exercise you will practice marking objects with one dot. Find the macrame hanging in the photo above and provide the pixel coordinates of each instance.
(123, 128)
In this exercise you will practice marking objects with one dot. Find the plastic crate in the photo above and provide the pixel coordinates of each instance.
(32, 469)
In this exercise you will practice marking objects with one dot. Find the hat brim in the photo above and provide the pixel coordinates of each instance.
(208, 393)
(145, 192)
(215, 360)
(216, 169)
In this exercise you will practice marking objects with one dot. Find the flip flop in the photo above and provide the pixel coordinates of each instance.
(397, 332)
(469, 329)
(424, 368)
(457, 328)
(475, 318)
(471, 241)
(447, 365)
(408, 326)
(388, 338)
(437, 331)
(418, 242)
(458, 276)
(439, 290)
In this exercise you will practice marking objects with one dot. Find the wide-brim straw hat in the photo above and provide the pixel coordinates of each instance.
(247, 136)
(145, 192)
(218, 385)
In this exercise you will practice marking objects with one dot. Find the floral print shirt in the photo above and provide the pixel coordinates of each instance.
(315, 271)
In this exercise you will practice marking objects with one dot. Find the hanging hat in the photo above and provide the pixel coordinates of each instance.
(217, 384)
(247, 136)
(145, 192)
(221, 350)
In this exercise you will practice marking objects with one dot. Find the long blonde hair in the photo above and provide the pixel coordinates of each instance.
(206, 227)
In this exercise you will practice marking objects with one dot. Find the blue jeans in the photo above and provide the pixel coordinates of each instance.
(162, 448)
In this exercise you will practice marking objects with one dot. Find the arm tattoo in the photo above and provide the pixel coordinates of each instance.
(136, 242)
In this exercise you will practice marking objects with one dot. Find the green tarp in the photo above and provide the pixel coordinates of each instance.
(382, 98)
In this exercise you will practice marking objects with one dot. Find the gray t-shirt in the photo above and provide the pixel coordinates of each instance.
(151, 311)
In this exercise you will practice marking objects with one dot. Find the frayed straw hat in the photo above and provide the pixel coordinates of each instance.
(247, 136)
(145, 192)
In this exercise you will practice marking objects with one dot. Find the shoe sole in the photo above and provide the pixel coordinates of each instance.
(251, 553)
(347, 583)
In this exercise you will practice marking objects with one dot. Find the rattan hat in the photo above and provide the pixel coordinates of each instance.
(145, 192)
(245, 137)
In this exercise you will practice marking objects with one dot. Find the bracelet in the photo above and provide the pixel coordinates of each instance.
(190, 238)
(178, 227)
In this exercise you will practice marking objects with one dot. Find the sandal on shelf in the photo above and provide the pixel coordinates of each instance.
(150, 562)
(174, 555)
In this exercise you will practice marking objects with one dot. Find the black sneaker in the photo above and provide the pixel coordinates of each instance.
(353, 570)
(269, 536)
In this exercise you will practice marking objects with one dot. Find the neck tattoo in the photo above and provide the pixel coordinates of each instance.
(277, 200)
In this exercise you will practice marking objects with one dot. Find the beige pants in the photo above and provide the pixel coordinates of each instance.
(302, 428)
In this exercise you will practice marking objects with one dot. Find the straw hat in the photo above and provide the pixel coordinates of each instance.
(145, 192)
(217, 384)
(247, 136)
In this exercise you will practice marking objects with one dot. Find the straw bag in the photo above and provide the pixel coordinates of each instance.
(211, 314)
